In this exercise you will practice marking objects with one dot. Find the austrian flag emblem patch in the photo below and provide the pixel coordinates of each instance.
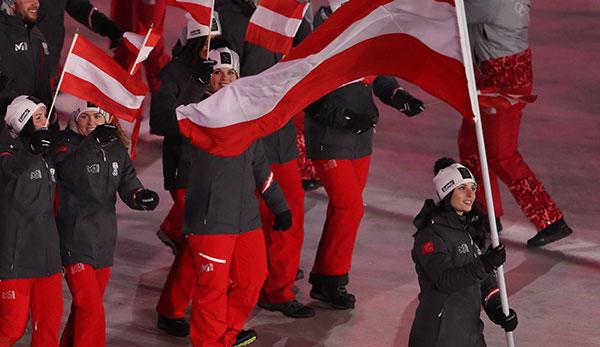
(427, 247)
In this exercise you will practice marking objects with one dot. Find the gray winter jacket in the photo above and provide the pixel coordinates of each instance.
(497, 28)
(452, 279)
(89, 177)
(324, 132)
(24, 66)
(29, 243)
(222, 192)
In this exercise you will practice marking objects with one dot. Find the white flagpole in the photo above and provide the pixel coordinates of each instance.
(61, 76)
(141, 48)
(212, 10)
(468, 62)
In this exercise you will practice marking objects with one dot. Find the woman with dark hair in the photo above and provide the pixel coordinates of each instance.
(455, 278)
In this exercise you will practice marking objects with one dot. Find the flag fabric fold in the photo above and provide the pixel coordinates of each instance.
(416, 40)
(274, 24)
(92, 75)
(201, 10)
(140, 47)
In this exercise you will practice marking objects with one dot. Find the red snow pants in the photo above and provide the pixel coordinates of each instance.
(501, 133)
(344, 182)
(86, 326)
(230, 272)
(43, 297)
(129, 15)
(178, 289)
(173, 222)
(283, 248)
(511, 74)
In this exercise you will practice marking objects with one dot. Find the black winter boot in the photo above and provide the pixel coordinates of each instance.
(245, 338)
(175, 327)
(554, 232)
(337, 297)
(293, 309)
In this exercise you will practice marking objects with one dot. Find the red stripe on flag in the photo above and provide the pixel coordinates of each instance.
(268, 39)
(88, 51)
(287, 8)
(201, 14)
(86, 90)
(435, 73)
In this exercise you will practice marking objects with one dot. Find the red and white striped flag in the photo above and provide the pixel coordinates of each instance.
(201, 10)
(417, 40)
(92, 75)
(274, 24)
(140, 46)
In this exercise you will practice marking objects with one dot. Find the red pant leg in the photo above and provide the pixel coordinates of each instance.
(248, 273)
(307, 169)
(173, 222)
(86, 325)
(344, 181)
(15, 298)
(46, 310)
(177, 292)
(284, 248)
(501, 133)
(212, 256)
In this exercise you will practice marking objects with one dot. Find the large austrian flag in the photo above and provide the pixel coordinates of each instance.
(201, 10)
(274, 24)
(92, 75)
(140, 46)
(416, 40)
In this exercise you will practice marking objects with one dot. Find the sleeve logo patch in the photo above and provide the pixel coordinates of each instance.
(427, 248)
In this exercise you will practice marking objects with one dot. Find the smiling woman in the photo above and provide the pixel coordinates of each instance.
(456, 279)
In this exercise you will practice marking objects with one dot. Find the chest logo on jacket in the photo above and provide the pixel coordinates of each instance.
(93, 168)
(462, 249)
(35, 175)
(115, 169)
(21, 46)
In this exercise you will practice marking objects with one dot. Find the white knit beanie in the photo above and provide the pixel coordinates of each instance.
(451, 177)
(20, 111)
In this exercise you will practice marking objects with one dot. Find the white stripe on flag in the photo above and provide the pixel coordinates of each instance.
(252, 97)
(273, 21)
(104, 82)
(135, 39)
(205, 3)
(143, 54)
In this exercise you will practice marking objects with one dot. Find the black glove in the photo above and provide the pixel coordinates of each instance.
(494, 311)
(283, 220)
(358, 123)
(40, 141)
(105, 134)
(106, 27)
(493, 257)
(203, 69)
(406, 103)
(146, 199)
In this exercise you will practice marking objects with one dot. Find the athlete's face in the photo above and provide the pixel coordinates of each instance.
(39, 118)
(463, 198)
(222, 77)
(27, 9)
(88, 121)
